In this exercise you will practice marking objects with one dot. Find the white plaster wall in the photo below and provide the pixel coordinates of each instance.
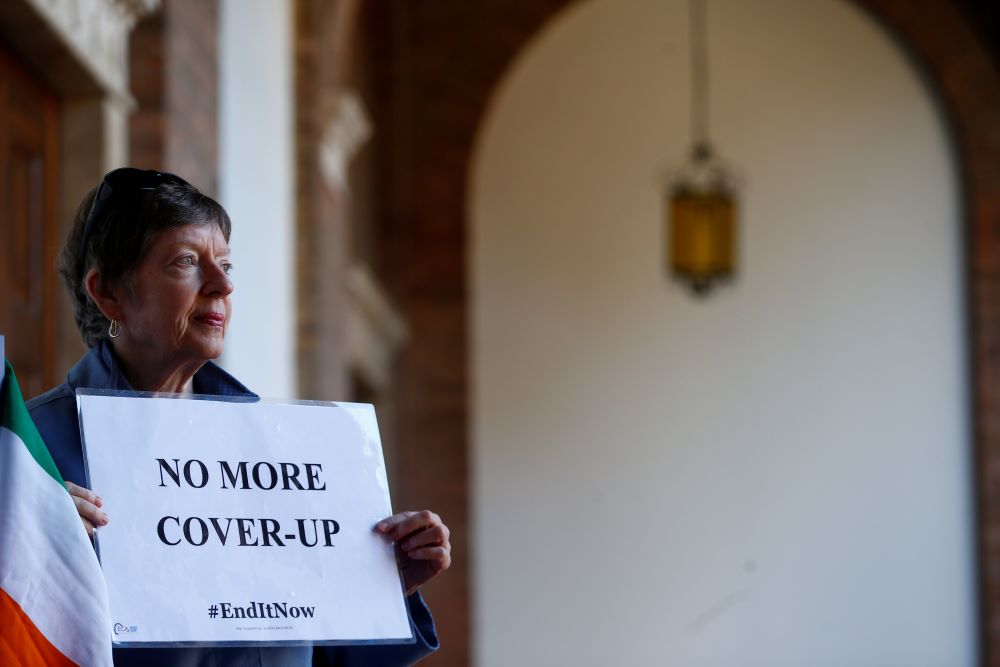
(256, 187)
(778, 475)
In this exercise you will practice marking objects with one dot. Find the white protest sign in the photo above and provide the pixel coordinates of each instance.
(242, 522)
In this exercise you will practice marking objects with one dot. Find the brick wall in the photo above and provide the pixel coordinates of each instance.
(322, 214)
(432, 67)
(146, 80)
(173, 59)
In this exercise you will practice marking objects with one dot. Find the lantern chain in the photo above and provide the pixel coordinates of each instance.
(699, 75)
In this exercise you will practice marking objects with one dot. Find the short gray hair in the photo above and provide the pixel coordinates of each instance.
(120, 238)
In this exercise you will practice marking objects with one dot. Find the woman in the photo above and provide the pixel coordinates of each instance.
(147, 268)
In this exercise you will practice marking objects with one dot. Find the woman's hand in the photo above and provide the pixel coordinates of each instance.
(421, 544)
(88, 506)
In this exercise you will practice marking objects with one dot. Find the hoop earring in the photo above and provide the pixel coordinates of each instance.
(115, 329)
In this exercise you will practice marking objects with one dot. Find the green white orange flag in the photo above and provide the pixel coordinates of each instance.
(53, 601)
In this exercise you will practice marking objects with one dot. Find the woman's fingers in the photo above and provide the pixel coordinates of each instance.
(433, 536)
(86, 494)
(424, 545)
(400, 525)
(90, 512)
(389, 526)
(438, 558)
(88, 506)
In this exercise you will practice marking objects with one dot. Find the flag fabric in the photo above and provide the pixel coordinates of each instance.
(53, 601)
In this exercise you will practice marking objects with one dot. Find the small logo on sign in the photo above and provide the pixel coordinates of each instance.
(121, 628)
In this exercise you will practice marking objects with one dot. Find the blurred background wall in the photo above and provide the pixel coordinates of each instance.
(454, 210)
(760, 477)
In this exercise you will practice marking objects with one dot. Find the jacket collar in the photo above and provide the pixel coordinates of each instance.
(98, 369)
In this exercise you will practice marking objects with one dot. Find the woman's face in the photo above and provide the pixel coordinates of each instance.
(176, 303)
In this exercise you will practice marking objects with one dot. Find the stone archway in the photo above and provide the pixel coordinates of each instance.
(428, 106)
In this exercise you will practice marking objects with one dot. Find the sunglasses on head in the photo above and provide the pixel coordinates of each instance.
(120, 186)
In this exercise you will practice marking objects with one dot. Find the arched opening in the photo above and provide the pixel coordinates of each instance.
(427, 116)
(724, 482)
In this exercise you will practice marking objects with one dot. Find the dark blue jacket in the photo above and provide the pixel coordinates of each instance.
(54, 413)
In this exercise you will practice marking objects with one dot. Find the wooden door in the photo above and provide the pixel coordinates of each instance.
(28, 230)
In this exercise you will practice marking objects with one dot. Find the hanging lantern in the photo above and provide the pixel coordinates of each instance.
(702, 195)
(702, 223)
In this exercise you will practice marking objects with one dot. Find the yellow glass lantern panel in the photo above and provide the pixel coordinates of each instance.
(702, 231)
